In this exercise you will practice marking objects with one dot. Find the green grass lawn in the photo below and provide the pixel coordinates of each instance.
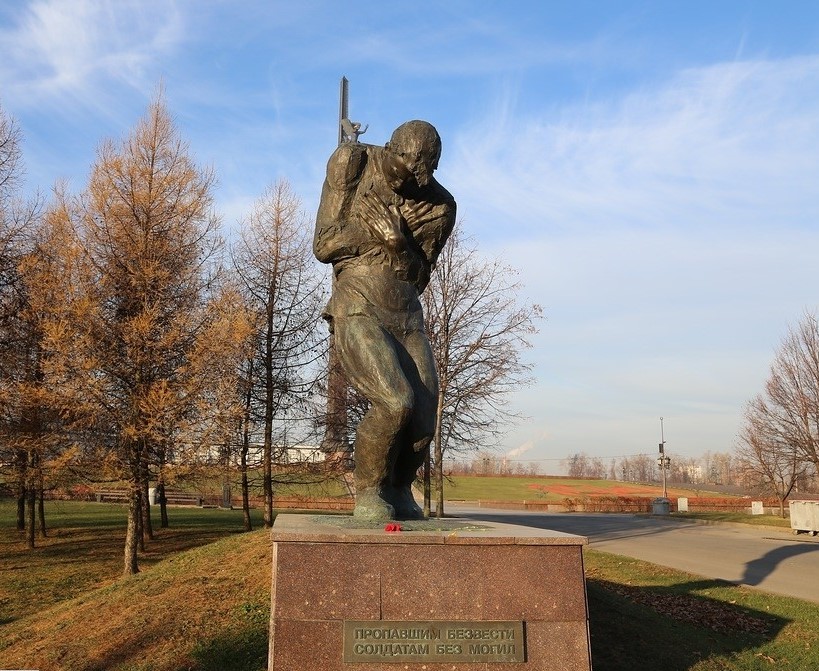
(210, 482)
(205, 609)
(84, 549)
(644, 616)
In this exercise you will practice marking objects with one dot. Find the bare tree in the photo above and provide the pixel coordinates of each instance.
(597, 469)
(637, 468)
(612, 475)
(765, 460)
(478, 331)
(283, 290)
(11, 161)
(577, 465)
(791, 392)
(779, 441)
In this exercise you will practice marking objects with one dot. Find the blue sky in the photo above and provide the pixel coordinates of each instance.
(651, 168)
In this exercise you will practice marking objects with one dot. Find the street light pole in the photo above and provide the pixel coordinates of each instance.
(663, 461)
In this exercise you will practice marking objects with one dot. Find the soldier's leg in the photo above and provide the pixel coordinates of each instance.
(413, 444)
(370, 359)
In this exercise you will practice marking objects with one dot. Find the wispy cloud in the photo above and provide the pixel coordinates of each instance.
(83, 50)
(718, 146)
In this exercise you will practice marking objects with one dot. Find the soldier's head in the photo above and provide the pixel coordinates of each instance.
(418, 146)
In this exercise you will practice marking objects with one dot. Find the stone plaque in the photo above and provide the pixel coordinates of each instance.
(682, 504)
(757, 508)
(439, 641)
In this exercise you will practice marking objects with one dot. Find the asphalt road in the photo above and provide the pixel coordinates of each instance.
(770, 559)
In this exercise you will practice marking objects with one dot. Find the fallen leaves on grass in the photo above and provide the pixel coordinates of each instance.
(717, 616)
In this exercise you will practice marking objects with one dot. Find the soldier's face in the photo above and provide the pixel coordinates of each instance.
(419, 159)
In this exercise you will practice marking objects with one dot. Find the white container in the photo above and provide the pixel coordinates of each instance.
(804, 516)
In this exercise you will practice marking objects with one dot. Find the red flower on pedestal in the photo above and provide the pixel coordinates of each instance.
(392, 527)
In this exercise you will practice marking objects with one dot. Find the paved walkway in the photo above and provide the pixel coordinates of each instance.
(769, 558)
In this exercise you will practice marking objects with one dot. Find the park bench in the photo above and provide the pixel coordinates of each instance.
(182, 498)
(111, 495)
(172, 497)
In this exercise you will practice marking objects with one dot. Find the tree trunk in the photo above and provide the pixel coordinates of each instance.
(227, 494)
(163, 506)
(267, 485)
(427, 485)
(139, 520)
(41, 508)
(21, 467)
(31, 500)
(245, 486)
(21, 508)
(439, 483)
(248, 399)
(267, 457)
(131, 565)
(267, 480)
(145, 508)
(163, 502)
(786, 492)
(439, 454)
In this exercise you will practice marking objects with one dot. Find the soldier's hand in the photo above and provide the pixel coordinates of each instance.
(418, 214)
(385, 221)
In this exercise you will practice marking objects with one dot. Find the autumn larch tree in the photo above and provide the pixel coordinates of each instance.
(478, 330)
(150, 238)
(47, 273)
(19, 336)
(283, 290)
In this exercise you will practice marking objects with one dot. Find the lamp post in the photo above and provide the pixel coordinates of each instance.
(663, 461)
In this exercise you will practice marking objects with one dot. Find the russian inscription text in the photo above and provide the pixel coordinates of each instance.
(434, 641)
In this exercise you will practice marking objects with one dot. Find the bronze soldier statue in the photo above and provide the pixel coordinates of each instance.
(382, 222)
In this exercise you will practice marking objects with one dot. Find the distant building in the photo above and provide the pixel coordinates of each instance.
(294, 454)
(302, 454)
(694, 474)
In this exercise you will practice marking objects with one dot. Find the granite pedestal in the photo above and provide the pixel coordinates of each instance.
(454, 595)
